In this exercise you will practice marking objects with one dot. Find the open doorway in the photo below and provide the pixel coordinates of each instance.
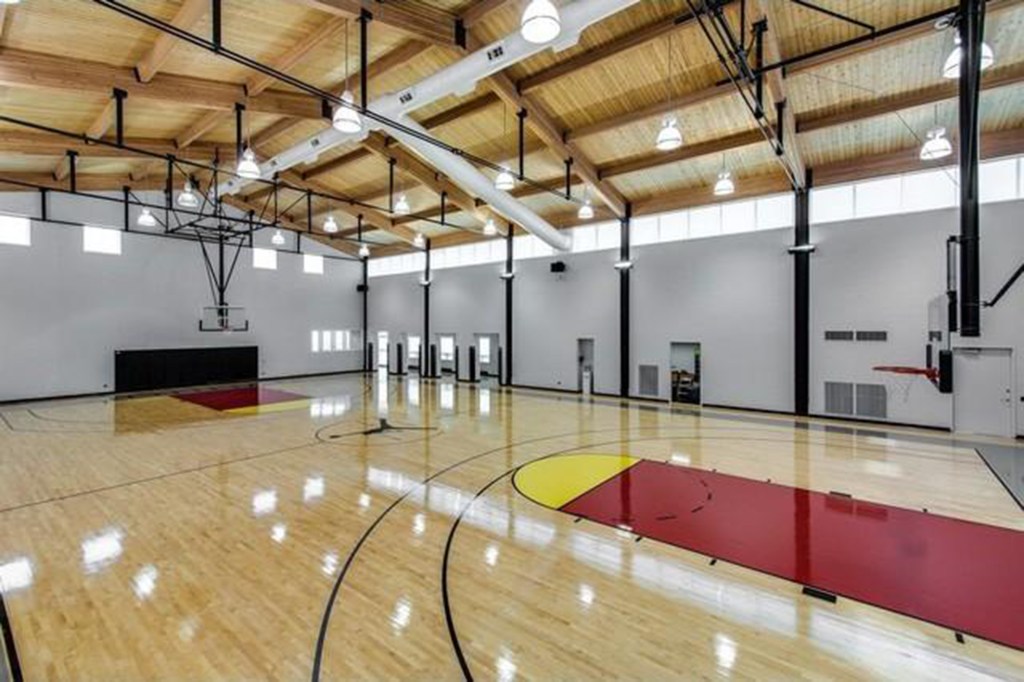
(585, 365)
(412, 351)
(487, 355)
(446, 353)
(684, 364)
(382, 349)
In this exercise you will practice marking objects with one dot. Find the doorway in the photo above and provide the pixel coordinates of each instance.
(684, 367)
(382, 349)
(983, 391)
(412, 343)
(446, 354)
(486, 355)
(585, 365)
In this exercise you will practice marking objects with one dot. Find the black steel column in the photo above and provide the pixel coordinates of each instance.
(366, 317)
(426, 303)
(624, 273)
(126, 194)
(802, 300)
(364, 48)
(509, 264)
(971, 27)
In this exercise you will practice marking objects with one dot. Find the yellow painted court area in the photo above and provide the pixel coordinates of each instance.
(556, 481)
(269, 408)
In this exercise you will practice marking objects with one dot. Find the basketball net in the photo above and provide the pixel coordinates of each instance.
(899, 380)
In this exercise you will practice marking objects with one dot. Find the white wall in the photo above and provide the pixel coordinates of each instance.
(63, 312)
(734, 295)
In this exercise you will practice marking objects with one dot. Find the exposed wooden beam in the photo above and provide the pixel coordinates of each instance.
(476, 13)
(46, 144)
(24, 69)
(98, 128)
(85, 182)
(613, 48)
(1003, 77)
(547, 130)
(690, 151)
(461, 110)
(426, 23)
(190, 12)
(785, 120)
(391, 60)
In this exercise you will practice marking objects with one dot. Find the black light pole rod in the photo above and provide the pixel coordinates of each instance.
(239, 112)
(568, 178)
(364, 48)
(119, 97)
(215, 20)
(972, 28)
(391, 185)
(73, 170)
(522, 144)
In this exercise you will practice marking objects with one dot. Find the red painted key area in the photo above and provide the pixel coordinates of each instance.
(231, 398)
(959, 574)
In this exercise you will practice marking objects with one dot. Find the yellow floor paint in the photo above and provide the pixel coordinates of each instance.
(270, 408)
(556, 481)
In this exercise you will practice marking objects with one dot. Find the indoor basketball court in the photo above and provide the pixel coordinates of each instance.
(511, 339)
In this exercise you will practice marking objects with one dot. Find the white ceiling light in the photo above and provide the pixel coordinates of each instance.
(277, 239)
(490, 229)
(951, 69)
(936, 146)
(364, 251)
(504, 181)
(146, 219)
(346, 118)
(623, 265)
(187, 198)
(402, 206)
(330, 225)
(669, 137)
(247, 166)
(418, 241)
(725, 185)
(540, 22)
(586, 211)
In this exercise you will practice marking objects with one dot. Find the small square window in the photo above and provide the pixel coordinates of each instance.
(325, 341)
(313, 264)
(264, 259)
(101, 240)
(15, 230)
(314, 341)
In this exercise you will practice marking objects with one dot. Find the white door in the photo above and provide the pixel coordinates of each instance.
(983, 391)
(382, 349)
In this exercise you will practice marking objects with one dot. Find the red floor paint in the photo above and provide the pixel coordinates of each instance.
(958, 574)
(231, 398)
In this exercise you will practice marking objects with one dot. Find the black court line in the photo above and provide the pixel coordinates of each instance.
(992, 460)
(10, 649)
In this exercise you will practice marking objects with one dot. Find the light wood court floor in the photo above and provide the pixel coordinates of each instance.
(150, 538)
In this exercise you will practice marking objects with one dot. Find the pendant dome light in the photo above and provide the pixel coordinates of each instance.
(330, 225)
(402, 205)
(724, 185)
(364, 251)
(146, 219)
(277, 239)
(490, 229)
(418, 241)
(669, 137)
(346, 119)
(540, 22)
(504, 180)
(247, 167)
(951, 68)
(187, 198)
(586, 211)
(937, 146)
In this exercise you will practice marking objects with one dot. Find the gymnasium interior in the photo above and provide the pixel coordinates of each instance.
(511, 339)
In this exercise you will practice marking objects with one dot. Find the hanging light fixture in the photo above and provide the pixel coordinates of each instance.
(364, 251)
(725, 185)
(247, 167)
(346, 119)
(402, 206)
(504, 181)
(937, 146)
(146, 219)
(490, 229)
(187, 198)
(586, 211)
(669, 137)
(330, 225)
(540, 22)
(418, 241)
(277, 239)
(951, 68)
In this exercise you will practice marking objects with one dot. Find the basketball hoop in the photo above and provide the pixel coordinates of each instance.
(899, 379)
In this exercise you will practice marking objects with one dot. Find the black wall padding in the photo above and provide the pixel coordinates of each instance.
(143, 370)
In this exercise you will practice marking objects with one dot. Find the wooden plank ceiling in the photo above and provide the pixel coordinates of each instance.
(848, 114)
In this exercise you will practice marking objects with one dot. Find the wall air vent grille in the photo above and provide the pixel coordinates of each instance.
(872, 401)
(838, 397)
(872, 336)
(649, 380)
(836, 335)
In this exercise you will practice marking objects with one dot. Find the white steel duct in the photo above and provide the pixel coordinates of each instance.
(458, 79)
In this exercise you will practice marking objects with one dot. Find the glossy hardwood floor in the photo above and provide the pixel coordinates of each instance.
(152, 538)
